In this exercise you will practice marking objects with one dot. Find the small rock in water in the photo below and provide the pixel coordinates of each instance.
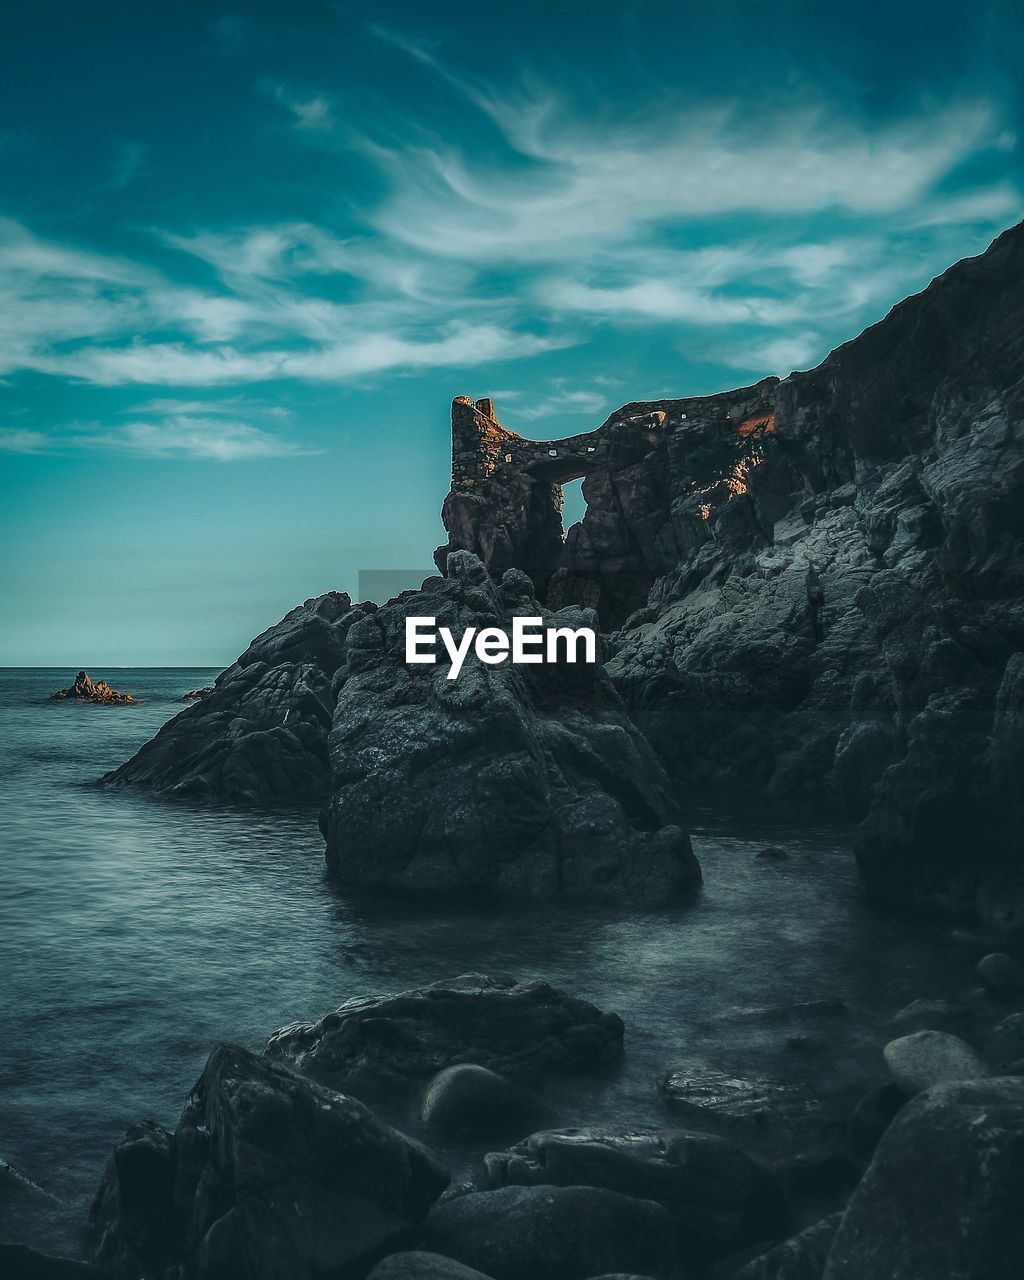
(467, 1098)
(194, 694)
(1010, 1031)
(707, 1092)
(927, 1058)
(928, 1015)
(84, 690)
(1001, 974)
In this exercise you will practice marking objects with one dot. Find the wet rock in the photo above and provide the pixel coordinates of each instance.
(468, 1098)
(511, 779)
(13, 1179)
(942, 1194)
(872, 1116)
(521, 1030)
(419, 1265)
(1002, 975)
(261, 734)
(266, 1174)
(929, 1015)
(84, 690)
(194, 694)
(928, 1058)
(710, 1186)
(1009, 1031)
(552, 1233)
(803, 1257)
(19, 1262)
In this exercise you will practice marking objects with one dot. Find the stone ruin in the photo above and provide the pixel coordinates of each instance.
(652, 475)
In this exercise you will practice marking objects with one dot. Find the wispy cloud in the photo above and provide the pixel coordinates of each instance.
(18, 440)
(184, 436)
(310, 111)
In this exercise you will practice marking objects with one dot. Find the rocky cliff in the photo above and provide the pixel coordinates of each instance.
(832, 570)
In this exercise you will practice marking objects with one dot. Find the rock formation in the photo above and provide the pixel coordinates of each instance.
(522, 779)
(833, 612)
(261, 734)
(84, 690)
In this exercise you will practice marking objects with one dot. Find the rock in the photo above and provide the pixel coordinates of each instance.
(929, 1015)
(261, 734)
(1001, 974)
(1009, 1031)
(928, 1058)
(942, 1194)
(417, 1265)
(522, 1030)
(84, 690)
(872, 1116)
(803, 1257)
(14, 1179)
(266, 1174)
(193, 694)
(552, 1233)
(19, 1262)
(468, 1098)
(710, 1186)
(526, 780)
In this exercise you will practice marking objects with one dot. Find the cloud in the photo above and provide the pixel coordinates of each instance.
(777, 355)
(201, 439)
(564, 403)
(310, 111)
(18, 440)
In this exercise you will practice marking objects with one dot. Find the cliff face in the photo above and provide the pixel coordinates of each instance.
(825, 578)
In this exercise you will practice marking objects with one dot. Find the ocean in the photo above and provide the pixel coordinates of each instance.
(136, 933)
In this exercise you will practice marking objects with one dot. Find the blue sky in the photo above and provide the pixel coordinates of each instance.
(248, 254)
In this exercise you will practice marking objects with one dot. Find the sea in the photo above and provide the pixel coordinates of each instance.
(137, 933)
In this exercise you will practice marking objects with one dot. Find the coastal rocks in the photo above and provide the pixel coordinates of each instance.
(552, 1233)
(942, 1195)
(707, 1093)
(266, 1174)
(802, 1257)
(522, 1030)
(713, 1190)
(470, 1099)
(927, 1058)
(194, 694)
(261, 734)
(872, 1116)
(523, 780)
(84, 690)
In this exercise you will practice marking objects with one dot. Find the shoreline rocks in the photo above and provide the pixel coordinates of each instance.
(85, 690)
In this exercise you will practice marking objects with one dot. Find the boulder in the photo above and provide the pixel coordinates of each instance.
(552, 1233)
(261, 733)
(803, 1257)
(418, 1265)
(1002, 975)
(710, 1186)
(872, 1116)
(19, 1262)
(929, 1015)
(470, 1099)
(708, 1093)
(267, 1174)
(528, 780)
(926, 1058)
(84, 690)
(942, 1196)
(523, 1030)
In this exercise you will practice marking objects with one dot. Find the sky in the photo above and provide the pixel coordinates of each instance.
(250, 252)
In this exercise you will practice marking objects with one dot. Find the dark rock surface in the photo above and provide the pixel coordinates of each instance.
(267, 1174)
(942, 1196)
(522, 1030)
(511, 779)
(261, 735)
(803, 1257)
(713, 1190)
(552, 1233)
(85, 690)
(419, 1265)
(19, 1262)
(194, 694)
(470, 1099)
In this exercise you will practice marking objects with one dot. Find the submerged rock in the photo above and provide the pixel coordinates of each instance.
(942, 1196)
(84, 690)
(194, 694)
(267, 1174)
(1001, 974)
(470, 1099)
(261, 734)
(552, 1233)
(522, 779)
(711, 1187)
(710, 1093)
(519, 1029)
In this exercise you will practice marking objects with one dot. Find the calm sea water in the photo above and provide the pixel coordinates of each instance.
(135, 934)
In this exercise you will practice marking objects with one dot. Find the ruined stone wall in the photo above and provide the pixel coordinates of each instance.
(638, 468)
